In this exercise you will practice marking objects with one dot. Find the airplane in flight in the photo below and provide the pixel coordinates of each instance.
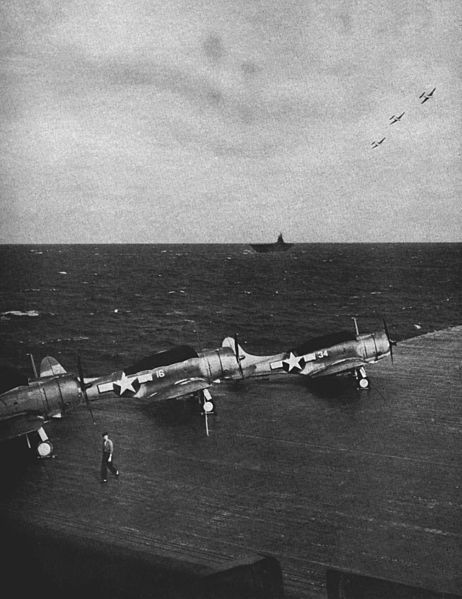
(328, 355)
(170, 374)
(426, 96)
(26, 405)
(395, 119)
(376, 144)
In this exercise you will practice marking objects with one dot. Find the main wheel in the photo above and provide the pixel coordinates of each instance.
(45, 449)
(363, 383)
(208, 406)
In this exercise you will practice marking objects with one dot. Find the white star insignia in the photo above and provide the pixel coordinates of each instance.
(125, 384)
(292, 362)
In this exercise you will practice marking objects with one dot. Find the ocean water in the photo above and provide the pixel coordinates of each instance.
(113, 304)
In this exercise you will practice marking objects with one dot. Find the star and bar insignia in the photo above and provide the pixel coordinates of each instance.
(125, 386)
(293, 362)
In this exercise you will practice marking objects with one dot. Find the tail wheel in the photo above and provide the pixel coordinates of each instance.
(363, 383)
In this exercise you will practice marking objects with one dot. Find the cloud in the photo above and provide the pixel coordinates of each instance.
(213, 48)
(258, 105)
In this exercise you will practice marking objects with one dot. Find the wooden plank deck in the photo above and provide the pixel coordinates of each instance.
(317, 476)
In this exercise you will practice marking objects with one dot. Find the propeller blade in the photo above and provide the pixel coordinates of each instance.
(390, 340)
(236, 351)
(83, 387)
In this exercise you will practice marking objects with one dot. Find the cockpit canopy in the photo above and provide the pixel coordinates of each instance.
(323, 342)
(179, 353)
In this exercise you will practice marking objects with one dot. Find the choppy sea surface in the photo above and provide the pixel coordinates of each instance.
(113, 304)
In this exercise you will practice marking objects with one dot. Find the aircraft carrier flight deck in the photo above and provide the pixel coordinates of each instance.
(317, 476)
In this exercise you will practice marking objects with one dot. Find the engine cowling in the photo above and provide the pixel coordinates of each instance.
(374, 346)
(220, 363)
(59, 393)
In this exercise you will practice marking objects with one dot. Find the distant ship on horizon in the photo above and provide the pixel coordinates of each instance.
(279, 246)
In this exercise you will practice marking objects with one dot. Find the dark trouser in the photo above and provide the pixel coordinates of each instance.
(105, 464)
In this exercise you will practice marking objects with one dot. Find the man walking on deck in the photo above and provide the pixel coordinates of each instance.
(106, 460)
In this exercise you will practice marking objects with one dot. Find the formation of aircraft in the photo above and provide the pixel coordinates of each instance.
(426, 95)
(27, 405)
(395, 119)
(328, 355)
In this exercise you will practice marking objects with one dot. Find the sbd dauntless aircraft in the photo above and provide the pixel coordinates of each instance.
(169, 374)
(426, 95)
(26, 406)
(322, 356)
(395, 118)
(376, 144)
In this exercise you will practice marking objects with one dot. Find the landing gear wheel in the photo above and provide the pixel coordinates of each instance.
(363, 383)
(208, 407)
(45, 449)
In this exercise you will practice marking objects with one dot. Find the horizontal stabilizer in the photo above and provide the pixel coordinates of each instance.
(50, 366)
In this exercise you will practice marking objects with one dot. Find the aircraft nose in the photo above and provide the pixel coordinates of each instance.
(383, 345)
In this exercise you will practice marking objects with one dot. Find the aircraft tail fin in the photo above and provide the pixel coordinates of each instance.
(49, 366)
(242, 356)
(251, 365)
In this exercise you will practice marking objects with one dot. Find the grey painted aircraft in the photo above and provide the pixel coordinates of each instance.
(25, 406)
(376, 144)
(426, 96)
(322, 356)
(170, 374)
(395, 119)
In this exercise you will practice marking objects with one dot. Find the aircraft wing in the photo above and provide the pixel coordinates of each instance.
(19, 424)
(181, 388)
(339, 366)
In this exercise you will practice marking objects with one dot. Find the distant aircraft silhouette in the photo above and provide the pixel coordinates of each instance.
(395, 119)
(426, 96)
(376, 144)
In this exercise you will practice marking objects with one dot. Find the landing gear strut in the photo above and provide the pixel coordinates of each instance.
(361, 378)
(208, 407)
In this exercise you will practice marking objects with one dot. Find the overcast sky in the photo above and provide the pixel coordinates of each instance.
(229, 120)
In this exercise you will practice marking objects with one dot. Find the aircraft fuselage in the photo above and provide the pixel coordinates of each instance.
(47, 396)
(172, 380)
(324, 356)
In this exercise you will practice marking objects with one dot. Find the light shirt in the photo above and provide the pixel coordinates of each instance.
(108, 446)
